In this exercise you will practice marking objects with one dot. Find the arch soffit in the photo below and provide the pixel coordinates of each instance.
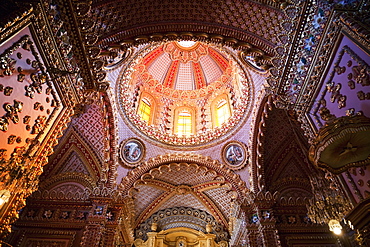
(257, 137)
(140, 31)
(82, 179)
(197, 190)
(135, 175)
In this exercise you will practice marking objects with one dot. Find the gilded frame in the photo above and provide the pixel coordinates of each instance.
(131, 152)
(235, 155)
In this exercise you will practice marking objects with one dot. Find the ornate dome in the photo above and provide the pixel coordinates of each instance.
(184, 93)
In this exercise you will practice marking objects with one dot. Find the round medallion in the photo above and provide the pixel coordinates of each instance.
(235, 155)
(132, 151)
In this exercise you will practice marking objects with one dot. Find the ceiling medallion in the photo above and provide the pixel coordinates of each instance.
(235, 155)
(342, 144)
(138, 80)
(131, 152)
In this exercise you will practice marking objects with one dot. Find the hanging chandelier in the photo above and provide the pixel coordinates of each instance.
(328, 205)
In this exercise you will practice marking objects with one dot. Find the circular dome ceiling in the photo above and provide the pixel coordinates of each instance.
(184, 93)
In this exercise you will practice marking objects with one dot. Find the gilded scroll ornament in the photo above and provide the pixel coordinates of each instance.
(7, 66)
(8, 91)
(4, 124)
(11, 139)
(30, 92)
(12, 110)
(39, 125)
(21, 77)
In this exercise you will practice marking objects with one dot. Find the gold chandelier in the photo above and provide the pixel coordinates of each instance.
(328, 205)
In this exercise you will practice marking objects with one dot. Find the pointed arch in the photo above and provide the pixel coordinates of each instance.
(73, 143)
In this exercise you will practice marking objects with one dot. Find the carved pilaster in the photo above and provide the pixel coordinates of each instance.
(92, 234)
(109, 235)
(98, 217)
(261, 228)
(269, 233)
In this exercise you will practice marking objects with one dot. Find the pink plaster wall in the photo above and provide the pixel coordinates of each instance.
(342, 70)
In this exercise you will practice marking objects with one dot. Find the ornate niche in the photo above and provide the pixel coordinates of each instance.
(180, 237)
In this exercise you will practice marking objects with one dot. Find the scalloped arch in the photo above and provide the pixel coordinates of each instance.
(79, 178)
(157, 162)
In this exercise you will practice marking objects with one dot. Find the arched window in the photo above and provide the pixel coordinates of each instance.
(184, 121)
(220, 110)
(146, 108)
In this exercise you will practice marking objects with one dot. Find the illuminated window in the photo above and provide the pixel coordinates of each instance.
(220, 110)
(144, 110)
(184, 124)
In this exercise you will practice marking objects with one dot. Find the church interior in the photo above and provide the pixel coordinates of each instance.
(213, 123)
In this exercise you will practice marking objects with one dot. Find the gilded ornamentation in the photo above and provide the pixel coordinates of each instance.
(39, 125)
(11, 139)
(199, 218)
(234, 179)
(36, 106)
(363, 96)
(12, 110)
(7, 66)
(48, 90)
(21, 77)
(235, 155)
(339, 93)
(341, 144)
(18, 139)
(30, 92)
(26, 119)
(48, 214)
(2, 154)
(18, 173)
(185, 54)
(8, 91)
(132, 152)
(326, 115)
(4, 124)
(361, 74)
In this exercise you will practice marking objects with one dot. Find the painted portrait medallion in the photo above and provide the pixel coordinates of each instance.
(132, 151)
(235, 155)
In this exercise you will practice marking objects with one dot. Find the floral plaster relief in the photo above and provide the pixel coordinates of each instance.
(346, 88)
(357, 179)
(19, 116)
